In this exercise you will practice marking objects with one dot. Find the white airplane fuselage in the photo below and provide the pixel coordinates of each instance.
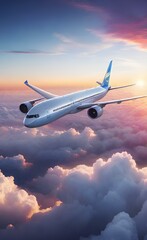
(52, 109)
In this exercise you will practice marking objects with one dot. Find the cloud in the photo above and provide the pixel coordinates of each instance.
(16, 205)
(15, 166)
(121, 227)
(33, 51)
(70, 44)
(93, 8)
(87, 7)
(9, 116)
(106, 199)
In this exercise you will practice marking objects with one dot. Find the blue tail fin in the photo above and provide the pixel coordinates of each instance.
(105, 83)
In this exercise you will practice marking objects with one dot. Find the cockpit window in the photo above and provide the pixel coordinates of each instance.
(33, 116)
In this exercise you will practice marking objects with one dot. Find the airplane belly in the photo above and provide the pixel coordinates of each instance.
(75, 110)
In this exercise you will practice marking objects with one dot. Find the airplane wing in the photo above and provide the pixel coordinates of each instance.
(43, 93)
(103, 104)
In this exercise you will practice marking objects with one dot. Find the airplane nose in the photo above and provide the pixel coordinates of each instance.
(29, 123)
(26, 123)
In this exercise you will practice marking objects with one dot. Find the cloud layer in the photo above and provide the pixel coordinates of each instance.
(107, 199)
(93, 200)
(73, 142)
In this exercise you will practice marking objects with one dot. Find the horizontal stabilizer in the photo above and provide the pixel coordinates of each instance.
(43, 93)
(113, 88)
(99, 83)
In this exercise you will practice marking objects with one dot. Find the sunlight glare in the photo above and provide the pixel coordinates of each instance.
(140, 83)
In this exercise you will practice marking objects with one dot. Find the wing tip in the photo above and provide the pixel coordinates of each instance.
(26, 82)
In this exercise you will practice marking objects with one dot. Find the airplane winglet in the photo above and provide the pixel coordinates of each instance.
(26, 82)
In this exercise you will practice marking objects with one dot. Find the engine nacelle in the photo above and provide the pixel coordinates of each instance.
(95, 112)
(25, 107)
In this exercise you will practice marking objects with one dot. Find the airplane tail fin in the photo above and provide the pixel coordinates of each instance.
(105, 83)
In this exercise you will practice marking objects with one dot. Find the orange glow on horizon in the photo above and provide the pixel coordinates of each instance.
(69, 84)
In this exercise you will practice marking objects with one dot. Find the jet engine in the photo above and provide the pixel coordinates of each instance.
(25, 107)
(95, 112)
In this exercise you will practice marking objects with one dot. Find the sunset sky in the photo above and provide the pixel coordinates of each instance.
(70, 43)
(76, 178)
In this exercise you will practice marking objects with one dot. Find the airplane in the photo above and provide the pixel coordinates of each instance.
(53, 107)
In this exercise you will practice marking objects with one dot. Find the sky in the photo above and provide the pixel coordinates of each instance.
(70, 43)
(76, 178)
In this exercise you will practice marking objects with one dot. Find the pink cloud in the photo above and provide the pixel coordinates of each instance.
(88, 7)
(120, 22)
(134, 32)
